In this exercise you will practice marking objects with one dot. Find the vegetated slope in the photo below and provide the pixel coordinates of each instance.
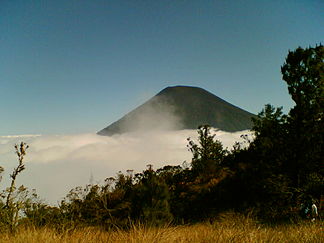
(182, 107)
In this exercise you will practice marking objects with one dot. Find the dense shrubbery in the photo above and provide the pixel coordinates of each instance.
(270, 175)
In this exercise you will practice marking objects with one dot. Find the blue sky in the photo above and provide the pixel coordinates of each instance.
(76, 66)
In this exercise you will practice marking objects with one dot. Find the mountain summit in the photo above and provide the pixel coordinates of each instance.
(182, 107)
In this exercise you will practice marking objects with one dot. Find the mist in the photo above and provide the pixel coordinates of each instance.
(57, 163)
(157, 114)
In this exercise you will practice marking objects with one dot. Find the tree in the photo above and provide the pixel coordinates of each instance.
(151, 198)
(208, 154)
(21, 152)
(303, 72)
(16, 199)
(269, 150)
(286, 155)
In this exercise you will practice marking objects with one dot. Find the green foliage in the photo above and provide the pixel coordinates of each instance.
(194, 191)
(39, 214)
(304, 73)
(286, 156)
(97, 205)
(208, 154)
(142, 198)
(284, 162)
(150, 199)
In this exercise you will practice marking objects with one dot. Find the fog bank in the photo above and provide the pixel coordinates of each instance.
(57, 163)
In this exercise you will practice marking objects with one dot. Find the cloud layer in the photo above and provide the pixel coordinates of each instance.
(57, 163)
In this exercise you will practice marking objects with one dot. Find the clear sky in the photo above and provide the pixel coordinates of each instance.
(76, 66)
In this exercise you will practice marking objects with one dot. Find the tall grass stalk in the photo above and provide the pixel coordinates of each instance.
(227, 229)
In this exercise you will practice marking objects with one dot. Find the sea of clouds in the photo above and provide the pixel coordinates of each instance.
(57, 163)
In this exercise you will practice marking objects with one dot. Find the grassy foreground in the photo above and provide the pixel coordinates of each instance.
(238, 229)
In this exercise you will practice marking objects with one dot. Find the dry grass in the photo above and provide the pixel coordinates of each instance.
(227, 229)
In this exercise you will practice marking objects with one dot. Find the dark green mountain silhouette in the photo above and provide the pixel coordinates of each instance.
(182, 107)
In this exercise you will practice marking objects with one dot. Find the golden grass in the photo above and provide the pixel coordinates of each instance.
(231, 229)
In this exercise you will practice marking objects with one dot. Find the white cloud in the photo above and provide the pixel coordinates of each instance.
(21, 136)
(56, 164)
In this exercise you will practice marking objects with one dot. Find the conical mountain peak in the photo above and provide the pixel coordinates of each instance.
(182, 107)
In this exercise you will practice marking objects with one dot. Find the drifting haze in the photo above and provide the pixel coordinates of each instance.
(56, 164)
(157, 114)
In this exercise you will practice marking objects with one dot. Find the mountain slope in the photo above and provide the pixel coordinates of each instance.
(182, 107)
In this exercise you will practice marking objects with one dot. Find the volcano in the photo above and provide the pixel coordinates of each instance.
(182, 107)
